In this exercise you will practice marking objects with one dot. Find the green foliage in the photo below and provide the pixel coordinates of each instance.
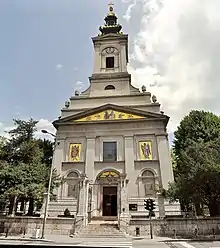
(47, 148)
(197, 161)
(25, 165)
(195, 127)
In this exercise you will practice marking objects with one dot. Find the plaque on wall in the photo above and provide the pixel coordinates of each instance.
(132, 207)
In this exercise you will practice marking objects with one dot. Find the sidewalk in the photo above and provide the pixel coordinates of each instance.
(64, 239)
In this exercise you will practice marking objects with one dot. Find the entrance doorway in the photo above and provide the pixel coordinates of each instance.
(109, 201)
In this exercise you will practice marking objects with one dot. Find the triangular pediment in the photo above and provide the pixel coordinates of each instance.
(110, 113)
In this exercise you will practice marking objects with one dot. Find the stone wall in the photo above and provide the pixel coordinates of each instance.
(183, 227)
(65, 226)
(19, 225)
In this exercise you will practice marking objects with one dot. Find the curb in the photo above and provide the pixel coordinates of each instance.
(26, 239)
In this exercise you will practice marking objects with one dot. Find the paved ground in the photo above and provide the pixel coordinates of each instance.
(53, 240)
(194, 244)
(137, 242)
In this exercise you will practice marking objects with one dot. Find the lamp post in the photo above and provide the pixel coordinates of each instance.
(49, 186)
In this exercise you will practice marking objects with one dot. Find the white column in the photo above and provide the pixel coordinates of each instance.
(90, 158)
(58, 158)
(123, 63)
(81, 209)
(129, 165)
(86, 197)
(165, 160)
(124, 198)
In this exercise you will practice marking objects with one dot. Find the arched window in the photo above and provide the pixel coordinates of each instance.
(72, 174)
(148, 181)
(110, 87)
(72, 184)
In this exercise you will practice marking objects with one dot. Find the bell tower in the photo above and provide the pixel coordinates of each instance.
(111, 53)
(110, 76)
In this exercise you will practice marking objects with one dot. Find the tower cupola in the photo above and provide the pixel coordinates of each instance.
(111, 25)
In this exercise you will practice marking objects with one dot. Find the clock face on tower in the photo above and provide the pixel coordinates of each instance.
(110, 50)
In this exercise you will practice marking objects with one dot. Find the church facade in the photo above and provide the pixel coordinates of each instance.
(111, 145)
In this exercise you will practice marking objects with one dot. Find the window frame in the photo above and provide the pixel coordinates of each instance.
(113, 151)
(110, 60)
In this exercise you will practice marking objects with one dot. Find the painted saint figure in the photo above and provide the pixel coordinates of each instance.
(146, 150)
(75, 152)
(109, 116)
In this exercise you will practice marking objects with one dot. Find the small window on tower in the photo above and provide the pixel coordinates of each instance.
(110, 87)
(110, 62)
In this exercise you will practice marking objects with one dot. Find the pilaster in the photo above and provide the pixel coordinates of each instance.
(165, 160)
(90, 158)
(58, 158)
(129, 164)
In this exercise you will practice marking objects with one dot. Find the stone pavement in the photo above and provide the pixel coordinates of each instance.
(194, 244)
(53, 240)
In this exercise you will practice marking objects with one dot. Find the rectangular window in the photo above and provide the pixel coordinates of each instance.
(109, 151)
(110, 62)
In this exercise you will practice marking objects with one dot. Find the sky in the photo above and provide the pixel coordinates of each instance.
(46, 53)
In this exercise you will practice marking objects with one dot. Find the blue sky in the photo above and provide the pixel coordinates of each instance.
(36, 36)
(173, 50)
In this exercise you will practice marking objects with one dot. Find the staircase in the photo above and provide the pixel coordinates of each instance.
(103, 234)
(104, 229)
(58, 207)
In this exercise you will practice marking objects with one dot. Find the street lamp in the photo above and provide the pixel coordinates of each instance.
(49, 186)
(47, 132)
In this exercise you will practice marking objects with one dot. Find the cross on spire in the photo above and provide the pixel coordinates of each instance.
(111, 25)
(111, 5)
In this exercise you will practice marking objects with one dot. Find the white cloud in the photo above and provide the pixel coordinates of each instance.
(45, 125)
(4, 130)
(79, 85)
(127, 15)
(41, 125)
(177, 53)
(59, 66)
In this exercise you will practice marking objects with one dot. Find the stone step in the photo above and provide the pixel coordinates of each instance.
(101, 236)
(103, 230)
(53, 208)
(63, 204)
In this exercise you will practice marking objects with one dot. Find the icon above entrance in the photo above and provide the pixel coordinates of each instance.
(108, 177)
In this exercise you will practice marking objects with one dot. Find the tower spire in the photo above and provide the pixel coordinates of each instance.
(111, 25)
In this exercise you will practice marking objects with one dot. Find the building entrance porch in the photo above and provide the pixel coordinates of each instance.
(107, 190)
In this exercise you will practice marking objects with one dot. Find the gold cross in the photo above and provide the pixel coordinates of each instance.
(111, 6)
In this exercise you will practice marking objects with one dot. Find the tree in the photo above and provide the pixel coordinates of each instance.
(197, 171)
(25, 172)
(47, 148)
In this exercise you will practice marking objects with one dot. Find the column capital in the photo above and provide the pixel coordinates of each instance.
(161, 134)
(128, 136)
(91, 137)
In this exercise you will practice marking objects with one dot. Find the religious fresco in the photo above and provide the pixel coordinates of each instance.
(145, 148)
(75, 152)
(107, 174)
(109, 115)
